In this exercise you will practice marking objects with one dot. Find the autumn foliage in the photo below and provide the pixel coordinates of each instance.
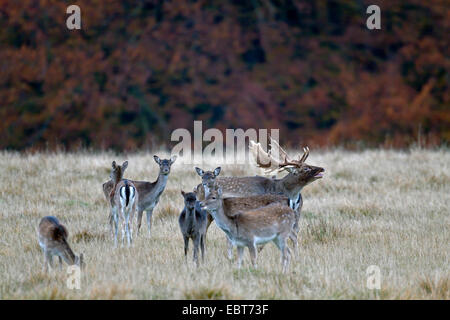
(139, 69)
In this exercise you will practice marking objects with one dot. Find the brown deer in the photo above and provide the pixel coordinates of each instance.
(123, 200)
(149, 192)
(193, 221)
(272, 222)
(52, 237)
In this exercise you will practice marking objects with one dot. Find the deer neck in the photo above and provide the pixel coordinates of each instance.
(156, 189)
(190, 213)
(222, 221)
(67, 254)
(206, 190)
(289, 185)
(161, 182)
(115, 181)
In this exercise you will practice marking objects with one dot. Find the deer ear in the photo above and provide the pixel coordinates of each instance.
(172, 159)
(158, 161)
(183, 193)
(124, 165)
(200, 172)
(114, 165)
(217, 171)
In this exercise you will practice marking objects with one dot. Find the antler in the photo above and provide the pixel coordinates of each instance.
(283, 154)
(305, 155)
(269, 162)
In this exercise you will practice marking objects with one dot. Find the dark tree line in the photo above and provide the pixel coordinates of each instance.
(139, 69)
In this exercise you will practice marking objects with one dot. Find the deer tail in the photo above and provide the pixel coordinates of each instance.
(127, 192)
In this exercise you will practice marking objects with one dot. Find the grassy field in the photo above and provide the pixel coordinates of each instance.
(379, 207)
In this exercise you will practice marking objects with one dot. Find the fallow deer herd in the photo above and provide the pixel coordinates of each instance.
(251, 211)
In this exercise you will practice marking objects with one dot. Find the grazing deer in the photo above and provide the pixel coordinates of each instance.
(149, 192)
(53, 241)
(193, 223)
(123, 200)
(272, 222)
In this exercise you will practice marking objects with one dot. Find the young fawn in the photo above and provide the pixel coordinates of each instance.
(123, 200)
(193, 222)
(53, 241)
(273, 222)
(149, 192)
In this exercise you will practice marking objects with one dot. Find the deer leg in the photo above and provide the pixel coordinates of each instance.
(50, 259)
(208, 223)
(285, 253)
(294, 240)
(139, 219)
(123, 232)
(196, 245)
(240, 251)
(149, 221)
(127, 228)
(186, 246)
(202, 246)
(230, 249)
(60, 262)
(45, 269)
(116, 227)
(133, 214)
(111, 223)
(123, 225)
(253, 254)
(286, 259)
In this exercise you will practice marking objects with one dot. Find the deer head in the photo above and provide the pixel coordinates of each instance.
(208, 177)
(300, 172)
(213, 201)
(118, 171)
(165, 164)
(189, 199)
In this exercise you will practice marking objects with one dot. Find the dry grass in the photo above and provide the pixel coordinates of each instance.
(384, 208)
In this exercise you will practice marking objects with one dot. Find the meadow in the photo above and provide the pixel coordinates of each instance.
(376, 207)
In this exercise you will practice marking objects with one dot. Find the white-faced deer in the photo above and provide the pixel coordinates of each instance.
(149, 192)
(53, 241)
(193, 221)
(123, 200)
(252, 227)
